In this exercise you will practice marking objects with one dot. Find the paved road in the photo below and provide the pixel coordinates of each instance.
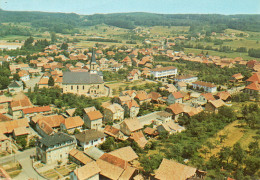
(24, 159)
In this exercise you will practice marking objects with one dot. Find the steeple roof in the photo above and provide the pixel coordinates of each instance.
(93, 58)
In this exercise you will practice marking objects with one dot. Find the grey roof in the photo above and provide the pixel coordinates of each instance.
(56, 139)
(93, 58)
(94, 153)
(81, 78)
(16, 84)
(89, 135)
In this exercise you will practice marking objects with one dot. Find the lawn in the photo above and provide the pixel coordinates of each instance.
(116, 85)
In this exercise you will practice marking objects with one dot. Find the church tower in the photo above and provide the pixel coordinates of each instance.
(93, 63)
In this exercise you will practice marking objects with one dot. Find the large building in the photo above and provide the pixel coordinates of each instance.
(84, 83)
(55, 148)
(164, 72)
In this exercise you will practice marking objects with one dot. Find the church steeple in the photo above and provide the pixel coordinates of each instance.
(93, 63)
(93, 58)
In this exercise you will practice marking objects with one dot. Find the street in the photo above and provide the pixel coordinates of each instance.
(24, 159)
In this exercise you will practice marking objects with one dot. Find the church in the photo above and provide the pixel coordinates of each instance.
(85, 83)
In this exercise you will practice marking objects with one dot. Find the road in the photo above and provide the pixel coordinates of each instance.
(24, 159)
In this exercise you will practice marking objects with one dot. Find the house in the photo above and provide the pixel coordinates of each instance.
(5, 143)
(4, 118)
(170, 127)
(208, 87)
(131, 108)
(15, 87)
(142, 97)
(4, 103)
(133, 75)
(79, 157)
(237, 78)
(122, 99)
(20, 101)
(20, 131)
(181, 86)
(113, 167)
(175, 97)
(89, 171)
(71, 124)
(93, 120)
(253, 88)
(94, 153)
(131, 93)
(204, 98)
(71, 111)
(214, 105)
(164, 116)
(24, 75)
(89, 138)
(164, 72)
(7, 127)
(43, 83)
(46, 125)
(170, 169)
(224, 95)
(150, 131)
(55, 148)
(125, 153)
(130, 125)
(113, 112)
(185, 78)
(114, 132)
(139, 138)
(155, 97)
(28, 112)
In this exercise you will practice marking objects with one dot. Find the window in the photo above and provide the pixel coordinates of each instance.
(77, 87)
(71, 87)
(83, 87)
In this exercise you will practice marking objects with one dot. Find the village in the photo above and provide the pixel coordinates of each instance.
(130, 101)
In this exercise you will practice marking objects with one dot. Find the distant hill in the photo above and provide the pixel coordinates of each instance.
(67, 22)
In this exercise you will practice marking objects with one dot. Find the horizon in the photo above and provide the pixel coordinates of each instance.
(83, 7)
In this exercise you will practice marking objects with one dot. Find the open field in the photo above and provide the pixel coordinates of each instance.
(235, 132)
(165, 30)
(221, 54)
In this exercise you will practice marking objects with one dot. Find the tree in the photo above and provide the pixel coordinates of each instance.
(53, 37)
(16, 77)
(150, 163)
(238, 154)
(64, 46)
(51, 81)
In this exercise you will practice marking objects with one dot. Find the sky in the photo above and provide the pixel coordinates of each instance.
(154, 6)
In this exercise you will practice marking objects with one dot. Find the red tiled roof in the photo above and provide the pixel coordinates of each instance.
(94, 115)
(36, 109)
(208, 96)
(177, 95)
(254, 77)
(254, 86)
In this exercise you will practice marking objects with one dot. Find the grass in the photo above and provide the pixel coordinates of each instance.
(165, 30)
(116, 85)
(63, 171)
(222, 54)
(236, 132)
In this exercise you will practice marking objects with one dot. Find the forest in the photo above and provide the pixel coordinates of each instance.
(69, 22)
